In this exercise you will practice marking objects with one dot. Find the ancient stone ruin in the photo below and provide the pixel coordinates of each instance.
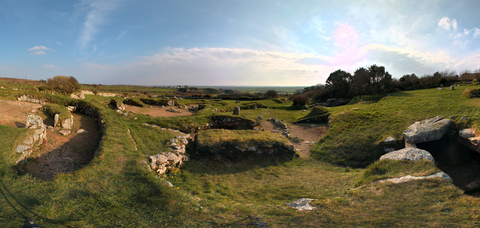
(434, 139)
(166, 161)
(31, 143)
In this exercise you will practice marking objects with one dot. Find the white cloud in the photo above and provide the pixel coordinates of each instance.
(95, 18)
(48, 66)
(476, 32)
(446, 23)
(39, 48)
(39, 53)
(59, 43)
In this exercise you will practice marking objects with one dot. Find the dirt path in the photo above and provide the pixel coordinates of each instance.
(14, 113)
(159, 112)
(65, 154)
(311, 133)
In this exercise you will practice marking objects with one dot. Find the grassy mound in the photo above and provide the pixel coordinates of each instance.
(356, 130)
(134, 102)
(317, 114)
(53, 109)
(221, 143)
(252, 105)
(471, 92)
(158, 102)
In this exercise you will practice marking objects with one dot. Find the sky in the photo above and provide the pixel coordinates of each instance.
(234, 42)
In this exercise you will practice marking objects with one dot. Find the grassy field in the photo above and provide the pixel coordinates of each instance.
(116, 190)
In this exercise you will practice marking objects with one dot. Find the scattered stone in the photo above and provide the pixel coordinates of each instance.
(259, 118)
(22, 148)
(125, 114)
(452, 87)
(390, 140)
(301, 204)
(467, 133)
(168, 183)
(427, 130)
(71, 108)
(64, 132)
(236, 110)
(399, 180)
(440, 88)
(474, 186)
(388, 150)
(81, 131)
(411, 154)
(68, 123)
(56, 121)
(464, 118)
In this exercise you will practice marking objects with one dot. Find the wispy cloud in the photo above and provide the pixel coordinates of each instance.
(39, 48)
(476, 32)
(48, 66)
(39, 53)
(59, 43)
(95, 18)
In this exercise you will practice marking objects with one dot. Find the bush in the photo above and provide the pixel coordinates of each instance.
(42, 88)
(271, 94)
(300, 100)
(63, 84)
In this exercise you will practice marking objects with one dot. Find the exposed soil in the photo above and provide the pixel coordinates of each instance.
(311, 133)
(65, 154)
(157, 111)
(14, 113)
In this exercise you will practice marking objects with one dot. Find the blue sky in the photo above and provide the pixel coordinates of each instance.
(228, 42)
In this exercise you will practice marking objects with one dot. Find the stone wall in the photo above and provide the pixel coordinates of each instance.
(31, 143)
(30, 99)
(233, 123)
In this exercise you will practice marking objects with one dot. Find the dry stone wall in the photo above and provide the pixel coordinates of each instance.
(31, 143)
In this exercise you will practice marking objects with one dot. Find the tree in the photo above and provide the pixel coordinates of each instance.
(271, 94)
(63, 84)
(361, 83)
(338, 83)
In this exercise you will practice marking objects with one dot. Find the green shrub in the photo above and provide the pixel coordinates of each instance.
(63, 84)
(42, 88)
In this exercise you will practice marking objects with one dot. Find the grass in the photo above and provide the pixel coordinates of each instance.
(115, 189)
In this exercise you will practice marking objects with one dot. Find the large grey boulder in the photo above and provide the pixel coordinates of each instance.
(427, 130)
(236, 110)
(411, 154)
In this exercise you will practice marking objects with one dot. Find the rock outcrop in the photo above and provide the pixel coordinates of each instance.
(411, 154)
(426, 130)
